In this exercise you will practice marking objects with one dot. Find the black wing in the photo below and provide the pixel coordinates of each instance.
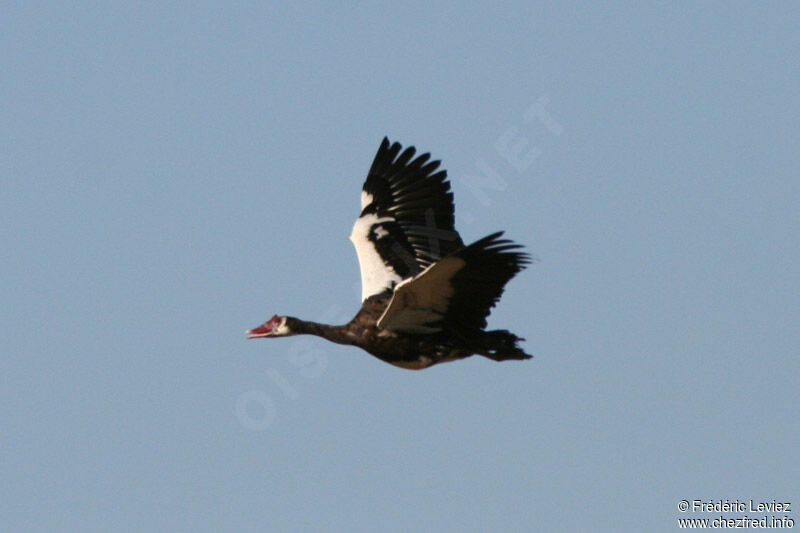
(457, 293)
(490, 263)
(407, 219)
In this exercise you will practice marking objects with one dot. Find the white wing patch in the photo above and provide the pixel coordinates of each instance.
(423, 299)
(366, 199)
(376, 276)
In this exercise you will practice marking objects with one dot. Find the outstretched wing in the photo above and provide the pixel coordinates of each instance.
(456, 293)
(407, 218)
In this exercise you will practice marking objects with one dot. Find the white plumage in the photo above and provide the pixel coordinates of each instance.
(376, 275)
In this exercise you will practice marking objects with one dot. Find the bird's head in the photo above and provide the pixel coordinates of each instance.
(276, 326)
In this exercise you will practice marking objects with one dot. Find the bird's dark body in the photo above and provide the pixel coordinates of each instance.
(410, 351)
(399, 349)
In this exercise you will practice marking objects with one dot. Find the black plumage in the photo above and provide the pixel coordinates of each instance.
(410, 191)
(490, 263)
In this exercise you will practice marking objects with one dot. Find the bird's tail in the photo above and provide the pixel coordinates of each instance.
(500, 345)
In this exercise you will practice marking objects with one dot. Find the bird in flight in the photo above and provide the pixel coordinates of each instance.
(425, 296)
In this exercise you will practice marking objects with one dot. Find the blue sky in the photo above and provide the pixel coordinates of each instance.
(173, 174)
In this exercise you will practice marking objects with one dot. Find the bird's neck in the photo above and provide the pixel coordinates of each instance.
(337, 334)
